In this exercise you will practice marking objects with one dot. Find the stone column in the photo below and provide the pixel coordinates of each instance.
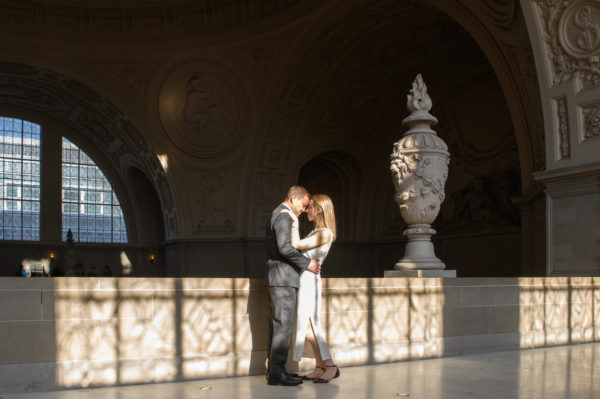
(419, 166)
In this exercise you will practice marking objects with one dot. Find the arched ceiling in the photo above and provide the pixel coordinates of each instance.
(345, 85)
(320, 75)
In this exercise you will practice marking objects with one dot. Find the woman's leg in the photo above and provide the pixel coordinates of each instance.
(327, 369)
(319, 364)
(312, 339)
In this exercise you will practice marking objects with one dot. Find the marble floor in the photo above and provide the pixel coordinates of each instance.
(559, 372)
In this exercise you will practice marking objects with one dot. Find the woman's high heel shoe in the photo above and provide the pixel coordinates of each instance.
(324, 380)
(306, 378)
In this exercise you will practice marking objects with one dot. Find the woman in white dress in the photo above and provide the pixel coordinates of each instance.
(308, 311)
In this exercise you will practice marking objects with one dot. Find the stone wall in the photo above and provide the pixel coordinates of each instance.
(59, 333)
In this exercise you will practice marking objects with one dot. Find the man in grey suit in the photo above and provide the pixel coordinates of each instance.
(284, 267)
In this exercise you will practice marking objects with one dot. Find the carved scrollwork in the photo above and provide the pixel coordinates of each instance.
(571, 31)
(591, 115)
(563, 127)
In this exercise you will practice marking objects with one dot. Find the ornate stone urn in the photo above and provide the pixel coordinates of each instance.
(419, 166)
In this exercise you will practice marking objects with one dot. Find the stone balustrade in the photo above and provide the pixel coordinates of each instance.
(59, 333)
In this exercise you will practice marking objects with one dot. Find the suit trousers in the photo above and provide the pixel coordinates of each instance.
(283, 311)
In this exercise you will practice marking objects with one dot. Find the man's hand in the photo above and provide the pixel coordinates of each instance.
(315, 266)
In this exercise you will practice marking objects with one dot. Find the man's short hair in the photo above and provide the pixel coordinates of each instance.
(297, 191)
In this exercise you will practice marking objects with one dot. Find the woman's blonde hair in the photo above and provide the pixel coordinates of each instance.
(324, 212)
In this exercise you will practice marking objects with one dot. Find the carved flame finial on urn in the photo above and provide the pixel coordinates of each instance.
(419, 103)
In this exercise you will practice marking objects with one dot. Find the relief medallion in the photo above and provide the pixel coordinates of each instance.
(201, 106)
(579, 29)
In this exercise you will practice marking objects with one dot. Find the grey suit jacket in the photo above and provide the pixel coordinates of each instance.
(285, 262)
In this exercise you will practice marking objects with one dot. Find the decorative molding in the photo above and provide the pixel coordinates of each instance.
(572, 38)
(585, 171)
(174, 18)
(591, 117)
(563, 128)
(503, 14)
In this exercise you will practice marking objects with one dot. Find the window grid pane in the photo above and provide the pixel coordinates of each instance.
(19, 180)
(89, 204)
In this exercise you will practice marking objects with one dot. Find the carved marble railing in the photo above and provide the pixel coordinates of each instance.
(58, 333)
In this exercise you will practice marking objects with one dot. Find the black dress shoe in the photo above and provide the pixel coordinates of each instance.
(282, 379)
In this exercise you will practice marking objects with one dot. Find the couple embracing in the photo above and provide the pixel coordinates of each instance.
(294, 284)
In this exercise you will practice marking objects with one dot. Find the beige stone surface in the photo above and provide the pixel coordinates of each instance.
(127, 331)
(28, 342)
(504, 319)
(21, 305)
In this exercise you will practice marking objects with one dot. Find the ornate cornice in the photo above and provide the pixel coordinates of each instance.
(86, 19)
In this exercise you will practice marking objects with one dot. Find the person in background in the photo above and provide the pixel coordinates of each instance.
(22, 272)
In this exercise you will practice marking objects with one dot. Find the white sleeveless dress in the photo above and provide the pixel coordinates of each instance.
(309, 303)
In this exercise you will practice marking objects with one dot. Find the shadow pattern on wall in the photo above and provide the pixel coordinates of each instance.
(107, 331)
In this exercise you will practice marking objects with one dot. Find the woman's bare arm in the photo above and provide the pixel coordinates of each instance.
(315, 240)
(320, 237)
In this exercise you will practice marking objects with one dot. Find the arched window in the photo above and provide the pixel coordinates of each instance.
(90, 207)
(19, 180)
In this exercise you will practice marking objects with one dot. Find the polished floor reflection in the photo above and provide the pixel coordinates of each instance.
(559, 372)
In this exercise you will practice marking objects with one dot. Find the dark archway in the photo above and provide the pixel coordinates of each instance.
(337, 174)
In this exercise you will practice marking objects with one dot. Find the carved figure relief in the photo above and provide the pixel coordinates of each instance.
(200, 109)
(213, 204)
(591, 116)
(205, 116)
(484, 205)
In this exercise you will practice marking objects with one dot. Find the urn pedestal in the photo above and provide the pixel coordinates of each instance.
(419, 166)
